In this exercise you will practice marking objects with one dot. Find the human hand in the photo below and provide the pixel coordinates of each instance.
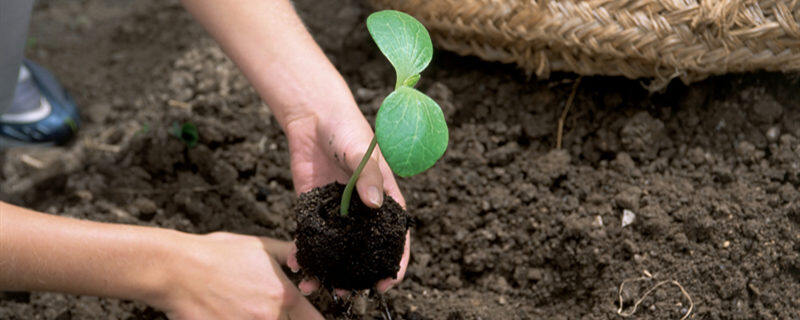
(326, 148)
(230, 276)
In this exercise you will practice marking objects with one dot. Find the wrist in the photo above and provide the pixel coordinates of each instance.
(333, 109)
(325, 121)
(168, 256)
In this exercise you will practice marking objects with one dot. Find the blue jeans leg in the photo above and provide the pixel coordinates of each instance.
(14, 20)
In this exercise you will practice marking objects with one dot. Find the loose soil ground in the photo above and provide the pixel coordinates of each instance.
(507, 227)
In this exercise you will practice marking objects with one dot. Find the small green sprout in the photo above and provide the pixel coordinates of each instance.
(186, 132)
(410, 126)
(71, 123)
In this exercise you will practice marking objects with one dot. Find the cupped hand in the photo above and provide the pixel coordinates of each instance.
(230, 276)
(327, 148)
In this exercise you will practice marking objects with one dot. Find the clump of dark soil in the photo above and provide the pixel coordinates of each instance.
(350, 252)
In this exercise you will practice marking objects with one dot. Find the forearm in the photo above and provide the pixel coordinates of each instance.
(40, 252)
(269, 43)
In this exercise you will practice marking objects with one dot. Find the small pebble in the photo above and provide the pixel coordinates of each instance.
(84, 195)
(145, 206)
(627, 217)
(773, 133)
(535, 274)
(754, 289)
(598, 221)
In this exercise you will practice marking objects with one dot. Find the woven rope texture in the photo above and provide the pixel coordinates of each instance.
(657, 39)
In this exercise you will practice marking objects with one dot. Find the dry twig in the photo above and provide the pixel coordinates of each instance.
(179, 104)
(32, 162)
(648, 292)
(564, 113)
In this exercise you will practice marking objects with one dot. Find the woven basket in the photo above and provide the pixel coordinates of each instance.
(656, 39)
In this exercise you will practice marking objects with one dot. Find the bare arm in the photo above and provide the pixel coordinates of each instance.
(188, 276)
(271, 46)
(41, 252)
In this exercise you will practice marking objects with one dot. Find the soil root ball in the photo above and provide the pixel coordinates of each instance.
(351, 252)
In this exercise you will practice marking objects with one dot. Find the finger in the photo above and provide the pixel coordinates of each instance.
(370, 181)
(291, 260)
(341, 293)
(279, 249)
(390, 184)
(308, 286)
(303, 310)
(386, 284)
(370, 185)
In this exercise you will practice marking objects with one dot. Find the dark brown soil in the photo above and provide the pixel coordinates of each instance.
(507, 227)
(351, 252)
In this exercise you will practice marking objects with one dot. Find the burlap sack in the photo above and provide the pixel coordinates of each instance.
(656, 39)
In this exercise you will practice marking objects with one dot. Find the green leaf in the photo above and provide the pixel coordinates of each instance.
(187, 133)
(411, 131)
(403, 40)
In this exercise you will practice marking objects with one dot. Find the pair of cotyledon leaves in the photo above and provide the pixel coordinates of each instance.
(410, 126)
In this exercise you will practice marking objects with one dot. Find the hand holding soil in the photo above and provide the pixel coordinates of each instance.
(352, 242)
(325, 149)
(231, 276)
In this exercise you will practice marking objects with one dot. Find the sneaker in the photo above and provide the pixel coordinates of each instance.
(41, 114)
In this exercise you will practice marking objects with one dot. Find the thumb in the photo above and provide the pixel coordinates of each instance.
(282, 251)
(352, 144)
(370, 182)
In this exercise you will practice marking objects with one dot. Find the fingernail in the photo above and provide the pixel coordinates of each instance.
(304, 289)
(294, 270)
(375, 196)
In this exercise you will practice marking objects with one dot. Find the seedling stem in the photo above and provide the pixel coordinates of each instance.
(348, 190)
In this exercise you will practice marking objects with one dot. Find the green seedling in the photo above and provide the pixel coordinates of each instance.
(186, 132)
(410, 126)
